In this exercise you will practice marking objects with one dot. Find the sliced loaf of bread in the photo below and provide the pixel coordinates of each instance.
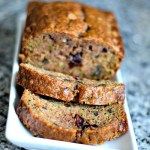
(72, 122)
(68, 88)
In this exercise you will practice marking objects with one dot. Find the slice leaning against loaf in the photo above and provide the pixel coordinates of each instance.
(72, 38)
(68, 88)
(86, 124)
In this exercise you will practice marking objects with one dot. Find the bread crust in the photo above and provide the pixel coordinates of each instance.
(68, 88)
(39, 127)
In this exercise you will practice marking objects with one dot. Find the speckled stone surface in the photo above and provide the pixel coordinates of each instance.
(134, 21)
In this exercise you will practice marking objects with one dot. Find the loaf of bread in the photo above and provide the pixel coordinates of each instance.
(72, 38)
(66, 47)
(72, 122)
(68, 88)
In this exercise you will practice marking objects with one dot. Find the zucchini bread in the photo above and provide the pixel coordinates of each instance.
(72, 122)
(68, 88)
(72, 38)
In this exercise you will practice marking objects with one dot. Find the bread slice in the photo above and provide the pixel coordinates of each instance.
(72, 122)
(68, 88)
(72, 38)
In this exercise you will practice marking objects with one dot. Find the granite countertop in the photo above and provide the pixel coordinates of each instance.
(134, 21)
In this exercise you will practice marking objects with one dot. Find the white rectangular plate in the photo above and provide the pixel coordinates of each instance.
(17, 134)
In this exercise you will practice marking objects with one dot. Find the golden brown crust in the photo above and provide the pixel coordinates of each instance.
(43, 128)
(103, 28)
(64, 17)
(100, 93)
(67, 88)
